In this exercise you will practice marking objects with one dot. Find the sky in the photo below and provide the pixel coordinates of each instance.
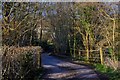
(44, 13)
(61, 0)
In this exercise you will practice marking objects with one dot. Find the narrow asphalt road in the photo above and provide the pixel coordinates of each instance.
(61, 70)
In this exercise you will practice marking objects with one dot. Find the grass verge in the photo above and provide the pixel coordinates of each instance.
(112, 74)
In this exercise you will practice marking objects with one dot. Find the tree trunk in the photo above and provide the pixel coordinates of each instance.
(74, 44)
(41, 30)
(70, 45)
(113, 51)
(101, 55)
(31, 38)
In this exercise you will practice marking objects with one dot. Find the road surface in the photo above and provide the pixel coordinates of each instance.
(61, 70)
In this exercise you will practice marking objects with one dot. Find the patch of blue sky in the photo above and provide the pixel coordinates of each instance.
(51, 12)
(44, 13)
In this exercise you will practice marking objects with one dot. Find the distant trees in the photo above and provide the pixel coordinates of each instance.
(70, 27)
(110, 24)
(86, 25)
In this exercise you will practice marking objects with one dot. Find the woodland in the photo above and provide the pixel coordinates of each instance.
(85, 32)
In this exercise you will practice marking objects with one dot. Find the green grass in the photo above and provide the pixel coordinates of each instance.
(112, 74)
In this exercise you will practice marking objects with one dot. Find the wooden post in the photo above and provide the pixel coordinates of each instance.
(79, 54)
(101, 55)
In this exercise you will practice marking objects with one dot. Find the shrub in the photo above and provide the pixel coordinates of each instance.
(19, 63)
